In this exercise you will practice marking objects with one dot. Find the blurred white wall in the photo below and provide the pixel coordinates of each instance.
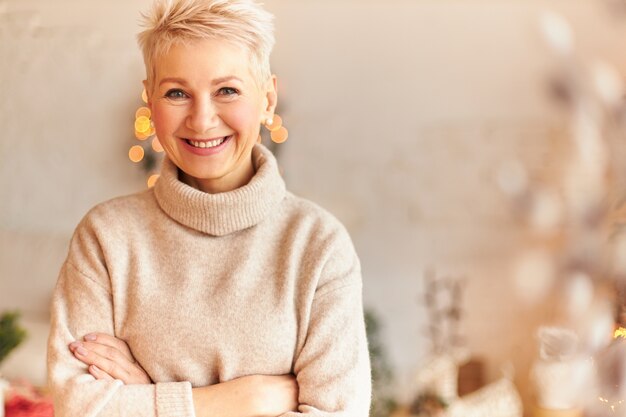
(400, 113)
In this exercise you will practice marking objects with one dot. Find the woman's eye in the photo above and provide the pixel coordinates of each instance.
(175, 94)
(227, 91)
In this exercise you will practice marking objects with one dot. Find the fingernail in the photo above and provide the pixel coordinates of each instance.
(95, 368)
(90, 337)
(74, 345)
(81, 351)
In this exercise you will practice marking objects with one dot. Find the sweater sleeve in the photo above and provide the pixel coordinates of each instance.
(82, 303)
(333, 367)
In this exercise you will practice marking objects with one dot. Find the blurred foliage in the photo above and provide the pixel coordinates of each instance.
(383, 403)
(11, 334)
(428, 405)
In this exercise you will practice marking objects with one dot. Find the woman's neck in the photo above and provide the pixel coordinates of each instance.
(228, 182)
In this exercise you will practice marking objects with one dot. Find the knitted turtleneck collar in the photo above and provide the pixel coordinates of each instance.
(223, 213)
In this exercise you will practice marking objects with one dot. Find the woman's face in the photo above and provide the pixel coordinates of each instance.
(207, 110)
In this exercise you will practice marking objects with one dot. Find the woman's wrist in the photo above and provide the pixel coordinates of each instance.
(200, 401)
(227, 399)
(254, 395)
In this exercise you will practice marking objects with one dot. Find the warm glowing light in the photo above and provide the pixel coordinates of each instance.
(142, 135)
(142, 124)
(143, 111)
(144, 96)
(621, 332)
(152, 180)
(280, 135)
(156, 145)
(136, 153)
(277, 123)
(611, 406)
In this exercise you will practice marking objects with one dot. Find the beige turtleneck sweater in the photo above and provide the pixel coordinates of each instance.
(206, 288)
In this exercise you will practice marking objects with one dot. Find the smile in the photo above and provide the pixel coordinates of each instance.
(206, 143)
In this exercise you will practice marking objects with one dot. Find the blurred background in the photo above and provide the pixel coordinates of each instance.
(404, 115)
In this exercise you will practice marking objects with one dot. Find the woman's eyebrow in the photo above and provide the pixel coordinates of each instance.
(227, 78)
(213, 82)
(173, 80)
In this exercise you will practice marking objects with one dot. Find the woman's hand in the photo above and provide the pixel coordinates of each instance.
(254, 395)
(109, 358)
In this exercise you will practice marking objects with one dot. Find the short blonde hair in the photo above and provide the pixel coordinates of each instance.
(242, 22)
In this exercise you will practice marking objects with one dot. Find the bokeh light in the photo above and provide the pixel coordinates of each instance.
(280, 135)
(142, 135)
(143, 111)
(142, 124)
(136, 153)
(152, 180)
(156, 145)
(277, 123)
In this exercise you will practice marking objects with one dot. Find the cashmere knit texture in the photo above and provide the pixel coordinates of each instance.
(206, 288)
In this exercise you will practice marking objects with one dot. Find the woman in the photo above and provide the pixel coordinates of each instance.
(217, 292)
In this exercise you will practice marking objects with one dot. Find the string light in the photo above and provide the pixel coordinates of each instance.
(136, 153)
(141, 135)
(152, 180)
(156, 145)
(142, 124)
(613, 405)
(145, 130)
(280, 135)
(143, 111)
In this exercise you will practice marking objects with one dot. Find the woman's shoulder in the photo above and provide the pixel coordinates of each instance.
(108, 225)
(304, 214)
(305, 209)
(328, 243)
(122, 211)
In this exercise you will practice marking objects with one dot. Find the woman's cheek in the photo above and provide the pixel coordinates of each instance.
(166, 123)
(242, 117)
(158, 118)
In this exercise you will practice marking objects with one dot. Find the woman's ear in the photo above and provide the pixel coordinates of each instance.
(271, 96)
(146, 86)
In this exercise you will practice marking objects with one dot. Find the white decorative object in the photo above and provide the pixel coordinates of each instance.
(559, 374)
(499, 399)
(439, 377)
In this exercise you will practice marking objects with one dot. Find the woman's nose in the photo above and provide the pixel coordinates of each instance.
(203, 116)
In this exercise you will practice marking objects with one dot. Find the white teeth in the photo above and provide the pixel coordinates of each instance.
(204, 144)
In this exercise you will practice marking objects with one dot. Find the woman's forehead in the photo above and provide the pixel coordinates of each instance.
(206, 60)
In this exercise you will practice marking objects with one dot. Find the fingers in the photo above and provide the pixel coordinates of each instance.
(111, 358)
(111, 341)
(105, 358)
(98, 373)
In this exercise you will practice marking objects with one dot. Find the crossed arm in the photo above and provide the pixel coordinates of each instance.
(109, 358)
(331, 366)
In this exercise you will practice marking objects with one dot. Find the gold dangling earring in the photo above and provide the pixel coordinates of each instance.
(279, 133)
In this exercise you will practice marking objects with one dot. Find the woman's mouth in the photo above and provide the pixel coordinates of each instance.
(206, 147)
(203, 144)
